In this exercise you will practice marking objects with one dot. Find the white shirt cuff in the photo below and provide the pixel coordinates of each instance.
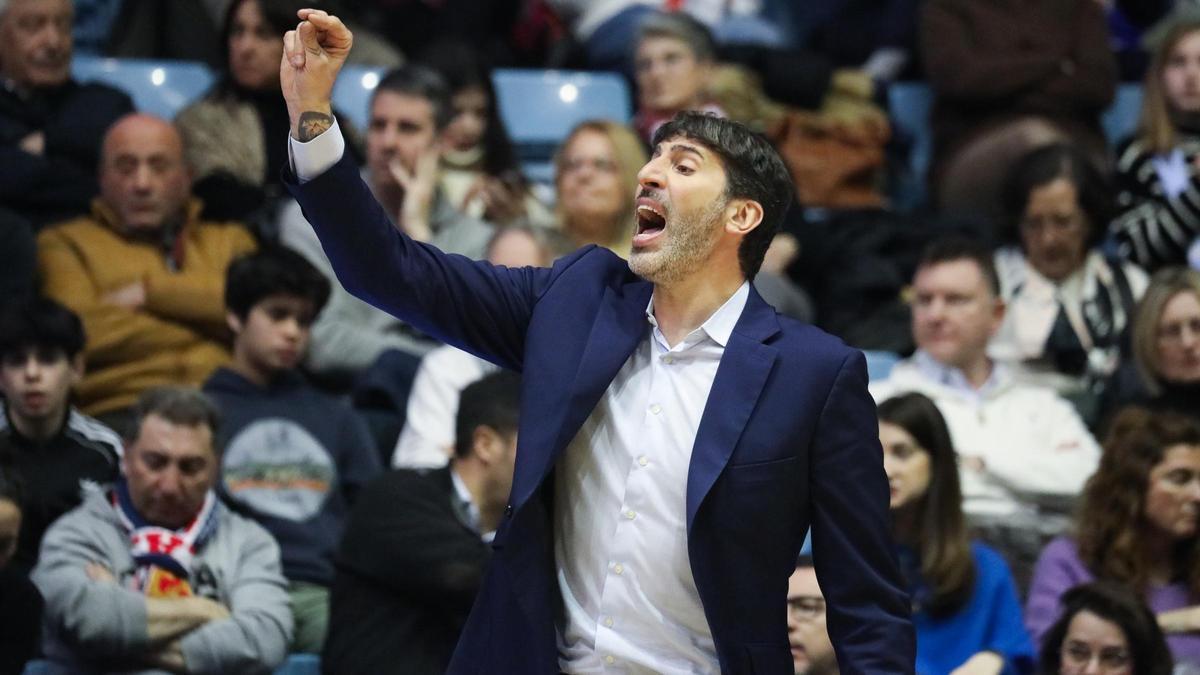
(314, 158)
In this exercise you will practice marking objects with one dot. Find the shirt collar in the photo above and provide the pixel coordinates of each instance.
(719, 326)
(953, 378)
(465, 507)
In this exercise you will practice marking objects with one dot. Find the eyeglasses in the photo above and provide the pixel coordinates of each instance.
(806, 607)
(1173, 332)
(1081, 654)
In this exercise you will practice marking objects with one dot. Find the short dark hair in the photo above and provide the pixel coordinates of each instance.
(492, 401)
(804, 560)
(1043, 166)
(955, 247)
(423, 82)
(183, 406)
(753, 170)
(1118, 604)
(273, 270)
(683, 27)
(40, 323)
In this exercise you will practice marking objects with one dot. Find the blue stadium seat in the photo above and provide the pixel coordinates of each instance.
(296, 664)
(879, 364)
(352, 92)
(161, 88)
(300, 664)
(539, 108)
(909, 106)
(1121, 118)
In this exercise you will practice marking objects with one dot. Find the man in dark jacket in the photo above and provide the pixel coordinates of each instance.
(416, 545)
(50, 125)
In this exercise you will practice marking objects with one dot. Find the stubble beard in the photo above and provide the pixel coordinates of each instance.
(687, 243)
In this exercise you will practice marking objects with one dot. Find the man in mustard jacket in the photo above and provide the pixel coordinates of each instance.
(144, 273)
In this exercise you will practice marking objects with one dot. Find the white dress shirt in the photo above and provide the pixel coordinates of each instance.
(620, 520)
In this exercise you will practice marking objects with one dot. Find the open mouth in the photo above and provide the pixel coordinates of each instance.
(651, 221)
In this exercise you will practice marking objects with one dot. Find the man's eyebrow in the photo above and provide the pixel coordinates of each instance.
(681, 147)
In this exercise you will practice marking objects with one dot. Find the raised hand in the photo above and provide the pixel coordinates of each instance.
(313, 55)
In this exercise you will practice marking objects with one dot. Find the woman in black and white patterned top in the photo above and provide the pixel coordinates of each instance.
(1158, 170)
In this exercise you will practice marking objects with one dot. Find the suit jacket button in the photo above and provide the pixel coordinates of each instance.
(508, 511)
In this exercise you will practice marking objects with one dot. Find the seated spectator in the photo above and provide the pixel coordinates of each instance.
(19, 276)
(1024, 452)
(673, 61)
(878, 36)
(50, 125)
(595, 170)
(20, 602)
(1070, 307)
(427, 439)
(1157, 170)
(294, 459)
(143, 272)
(51, 444)
(1137, 526)
(157, 573)
(410, 107)
(232, 135)
(1166, 345)
(812, 652)
(1009, 76)
(480, 175)
(1105, 624)
(965, 606)
(416, 546)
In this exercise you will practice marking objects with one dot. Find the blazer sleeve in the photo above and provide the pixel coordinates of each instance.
(479, 307)
(869, 614)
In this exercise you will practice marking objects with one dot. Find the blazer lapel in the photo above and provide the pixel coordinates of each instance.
(741, 376)
(619, 325)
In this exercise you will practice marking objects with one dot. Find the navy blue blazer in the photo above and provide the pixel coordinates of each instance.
(788, 437)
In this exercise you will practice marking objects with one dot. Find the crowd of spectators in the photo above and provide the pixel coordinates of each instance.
(213, 454)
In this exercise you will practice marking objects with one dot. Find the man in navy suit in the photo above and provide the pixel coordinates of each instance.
(677, 435)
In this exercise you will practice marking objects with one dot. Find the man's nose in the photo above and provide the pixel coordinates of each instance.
(651, 175)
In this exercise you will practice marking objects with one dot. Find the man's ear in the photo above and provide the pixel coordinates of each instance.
(78, 368)
(234, 322)
(486, 444)
(742, 216)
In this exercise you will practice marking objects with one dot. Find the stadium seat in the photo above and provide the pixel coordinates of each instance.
(352, 92)
(160, 88)
(1121, 118)
(879, 364)
(300, 664)
(909, 106)
(539, 108)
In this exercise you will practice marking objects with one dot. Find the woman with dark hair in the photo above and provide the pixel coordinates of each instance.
(965, 607)
(1157, 170)
(1069, 306)
(1105, 623)
(235, 136)
(1136, 525)
(480, 173)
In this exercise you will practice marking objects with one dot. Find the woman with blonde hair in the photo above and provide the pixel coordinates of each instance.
(595, 175)
(1158, 170)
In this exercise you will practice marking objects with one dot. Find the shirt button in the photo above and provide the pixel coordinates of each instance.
(609, 659)
(630, 515)
(642, 461)
(619, 569)
(655, 408)
(668, 359)
(608, 622)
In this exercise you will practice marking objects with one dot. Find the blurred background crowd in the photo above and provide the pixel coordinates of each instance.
(998, 201)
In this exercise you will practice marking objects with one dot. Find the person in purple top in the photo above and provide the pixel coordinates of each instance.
(1137, 525)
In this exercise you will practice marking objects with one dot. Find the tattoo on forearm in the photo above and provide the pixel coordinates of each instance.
(312, 124)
